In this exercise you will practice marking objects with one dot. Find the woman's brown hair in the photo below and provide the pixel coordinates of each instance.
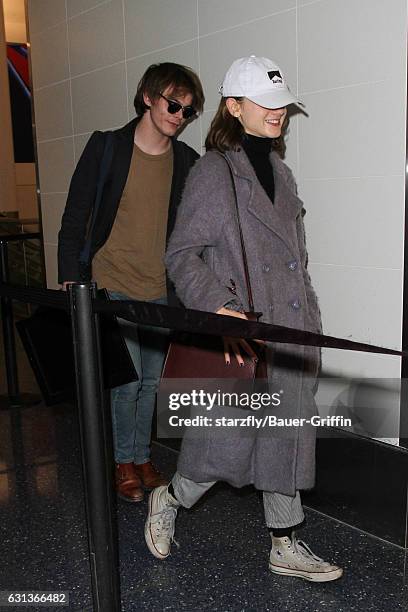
(226, 132)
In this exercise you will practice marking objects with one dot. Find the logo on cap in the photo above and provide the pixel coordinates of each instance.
(275, 76)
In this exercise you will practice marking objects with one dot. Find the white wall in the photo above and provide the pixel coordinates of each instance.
(346, 60)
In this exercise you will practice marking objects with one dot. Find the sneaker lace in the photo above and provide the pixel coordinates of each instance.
(164, 524)
(304, 551)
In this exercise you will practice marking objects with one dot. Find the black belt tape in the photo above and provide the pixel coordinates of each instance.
(197, 321)
(194, 321)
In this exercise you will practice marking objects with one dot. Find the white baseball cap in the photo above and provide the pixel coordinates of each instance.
(259, 79)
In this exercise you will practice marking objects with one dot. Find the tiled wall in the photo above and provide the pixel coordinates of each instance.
(346, 60)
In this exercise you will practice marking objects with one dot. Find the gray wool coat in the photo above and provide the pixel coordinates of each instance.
(203, 259)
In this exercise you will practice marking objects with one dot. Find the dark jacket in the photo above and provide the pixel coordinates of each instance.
(82, 193)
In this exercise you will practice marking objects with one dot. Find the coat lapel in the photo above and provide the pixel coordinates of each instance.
(287, 203)
(277, 217)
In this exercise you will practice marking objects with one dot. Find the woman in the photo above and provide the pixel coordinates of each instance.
(204, 260)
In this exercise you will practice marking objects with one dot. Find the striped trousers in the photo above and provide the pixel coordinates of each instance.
(280, 510)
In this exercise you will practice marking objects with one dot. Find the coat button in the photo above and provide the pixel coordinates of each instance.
(265, 268)
(271, 307)
(296, 304)
(292, 265)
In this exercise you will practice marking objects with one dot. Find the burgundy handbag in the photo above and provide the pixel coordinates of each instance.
(201, 356)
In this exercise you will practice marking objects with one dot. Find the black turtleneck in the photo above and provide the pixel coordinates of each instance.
(258, 150)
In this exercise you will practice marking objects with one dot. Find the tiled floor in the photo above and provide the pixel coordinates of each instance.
(221, 564)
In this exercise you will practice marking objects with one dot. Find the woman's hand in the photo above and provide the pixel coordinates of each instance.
(236, 345)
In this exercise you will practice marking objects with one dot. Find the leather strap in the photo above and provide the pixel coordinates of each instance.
(241, 237)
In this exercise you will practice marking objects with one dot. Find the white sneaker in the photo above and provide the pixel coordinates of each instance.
(159, 527)
(292, 557)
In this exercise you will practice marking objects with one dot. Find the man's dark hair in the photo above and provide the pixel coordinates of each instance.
(158, 77)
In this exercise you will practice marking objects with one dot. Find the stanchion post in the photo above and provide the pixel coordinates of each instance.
(8, 331)
(99, 490)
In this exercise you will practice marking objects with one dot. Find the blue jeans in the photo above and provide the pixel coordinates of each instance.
(133, 404)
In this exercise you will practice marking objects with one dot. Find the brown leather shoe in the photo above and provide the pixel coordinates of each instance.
(150, 475)
(128, 483)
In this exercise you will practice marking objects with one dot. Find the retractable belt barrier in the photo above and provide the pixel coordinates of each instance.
(194, 321)
(33, 295)
(201, 322)
(19, 237)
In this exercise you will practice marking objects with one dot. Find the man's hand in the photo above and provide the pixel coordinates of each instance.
(65, 285)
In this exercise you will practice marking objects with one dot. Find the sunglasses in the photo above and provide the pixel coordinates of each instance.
(174, 107)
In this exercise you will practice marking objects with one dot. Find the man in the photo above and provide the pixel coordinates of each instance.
(134, 222)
